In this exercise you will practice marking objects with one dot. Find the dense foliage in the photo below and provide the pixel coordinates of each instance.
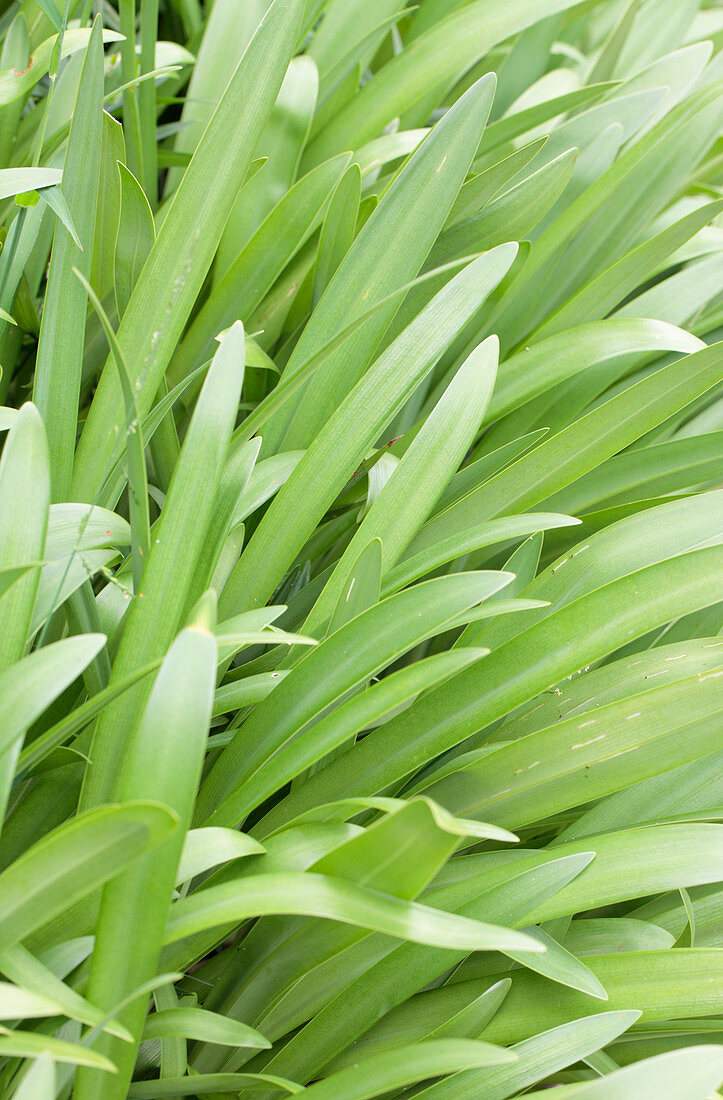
(361, 535)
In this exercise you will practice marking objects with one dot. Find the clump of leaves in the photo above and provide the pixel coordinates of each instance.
(361, 533)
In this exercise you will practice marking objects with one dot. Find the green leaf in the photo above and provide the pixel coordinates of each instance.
(405, 1066)
(537, 1058)
(15, 181)
(588, 756)
(416, 206)
(164, 764)
(346, 659)
(28, 1044)
(39, 1081)
(432, 61)
(350, 1003)
(60, 345)
(600, 621)
(209, 1027)
(677, 983)
(336, 451)
(251, 274)
(423, 473)
(156, 613)
(407, 1021)
(24, 491)
(338, 230)
(31, 685)
(198, 1084)
(438, 542)
(281, 142)
(135, 237)
(137, 476)
(542, 365)
(682, 1074)
(336, 899)
(361, 588)
(107, 206)
(207, 848)
(370, 708)
(37, 979)
(73, 861)
(179, 261)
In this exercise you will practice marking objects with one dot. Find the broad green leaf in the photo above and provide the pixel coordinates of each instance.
(233, 486)
(207, 848)
(481, 188)
(24, 969)
(647, 472)
(17, 1003)
(334, 454)
(598, 435)
(29, 1044)
(368, 709)
(589, 755)
(619, 679)
(134, 239)
(15, 181)
(405, 1066)
(604, 222)
(600, 295)
(342, 662)
(419, 829)
(416, 206)
(14, 85)
(196, 1023)
(8, 577)
(165, 764)
(135, 451)
(156, 613)
(198, 1084)
(338, 230)
(56, 389)
(252, 272)
(350, 1003)
(408, 1022)
(516, 123)
(361, 589)
(281, 143)
(694, 785)
(73, 861)
(179, 260)
(107, 206)
(563, 967)
(15, 54)
(510, 216)
(438, 542)
(605, 935)
(39, 1081)
(691, 859)
(599, 622)
(266, 479)
(336, 899)
(676, 983)
(242, 693)
(31, 685)
(537, 1058)
(542, 365)
(433, 60)
(66, 728)
(24, 491)
(226, 34)
(423, 473)
(680, 1074)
